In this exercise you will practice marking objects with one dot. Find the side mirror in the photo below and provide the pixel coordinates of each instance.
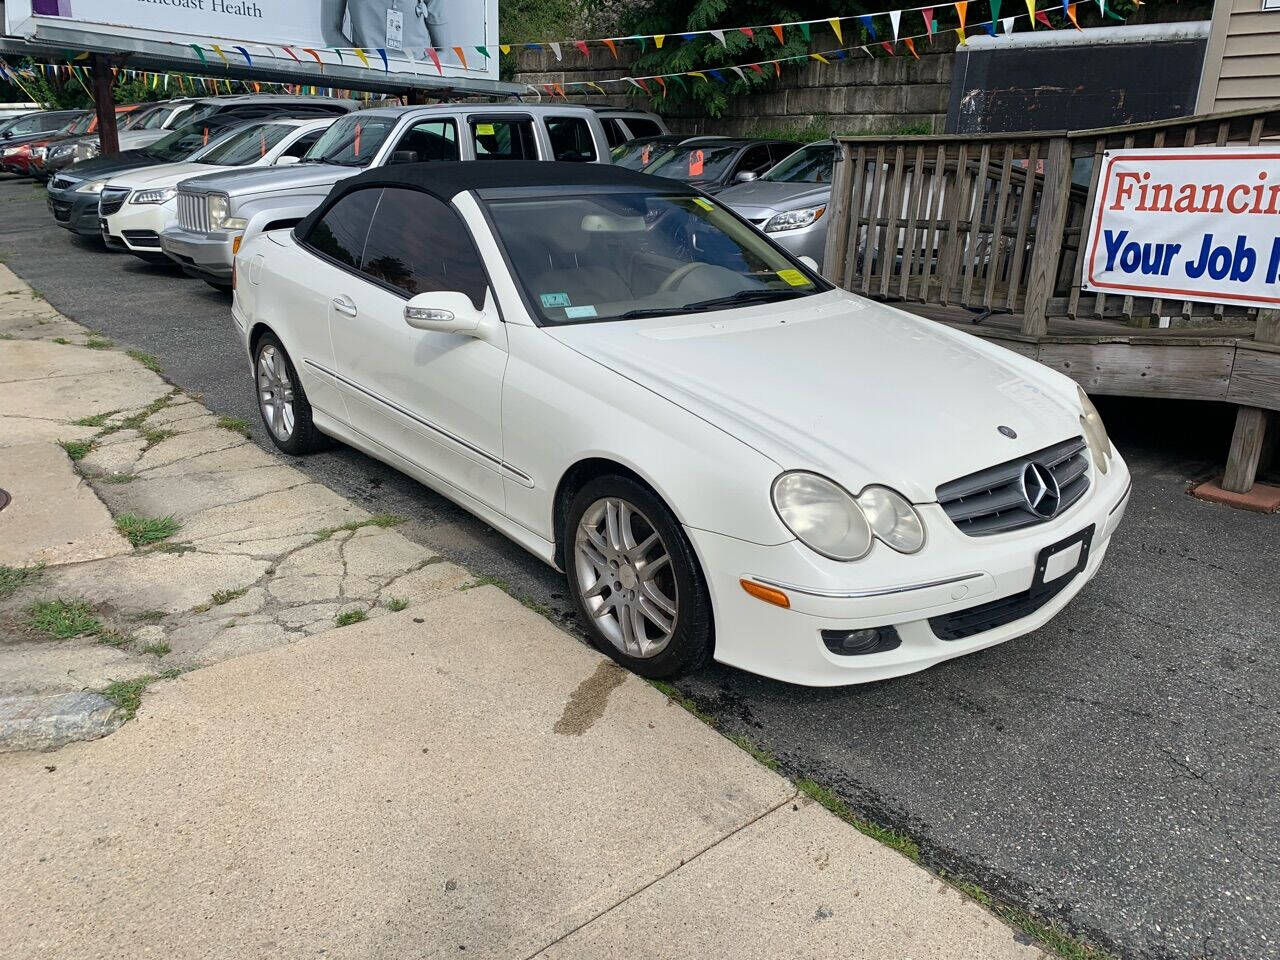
(404, 156)
(745, 176)
(443, 311)
(809, 262)
(284, 161)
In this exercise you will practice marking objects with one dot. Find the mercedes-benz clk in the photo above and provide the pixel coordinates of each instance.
(727, 456)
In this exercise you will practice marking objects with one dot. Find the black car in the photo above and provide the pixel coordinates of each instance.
(73, 193)
(713, 163)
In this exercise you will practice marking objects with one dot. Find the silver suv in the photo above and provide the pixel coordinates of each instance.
(214, 211)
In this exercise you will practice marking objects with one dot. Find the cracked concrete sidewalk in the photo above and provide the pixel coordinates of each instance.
(449, 773)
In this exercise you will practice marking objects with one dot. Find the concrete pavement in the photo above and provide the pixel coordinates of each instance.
(448, 773)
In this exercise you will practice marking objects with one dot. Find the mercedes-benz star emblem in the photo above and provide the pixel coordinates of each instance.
(1040, 490)
(1009, 432)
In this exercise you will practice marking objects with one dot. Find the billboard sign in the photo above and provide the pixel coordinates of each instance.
(1196, 223)
(403, 29)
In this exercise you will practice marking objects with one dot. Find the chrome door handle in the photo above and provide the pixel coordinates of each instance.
(344, 306)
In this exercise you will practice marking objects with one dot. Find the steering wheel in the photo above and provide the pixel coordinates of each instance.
(679, 274)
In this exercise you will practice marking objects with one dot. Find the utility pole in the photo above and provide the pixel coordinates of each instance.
(104, 103)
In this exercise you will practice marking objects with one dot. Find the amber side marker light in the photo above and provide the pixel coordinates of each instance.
(767, 594)
(235, 245)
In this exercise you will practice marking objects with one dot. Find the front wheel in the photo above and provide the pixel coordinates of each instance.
(635, 579)
(281, 400)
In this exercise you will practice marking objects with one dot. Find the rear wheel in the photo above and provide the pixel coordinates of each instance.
(281, 400)
(635, 579)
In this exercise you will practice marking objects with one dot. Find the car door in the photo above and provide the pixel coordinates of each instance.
(432, 398)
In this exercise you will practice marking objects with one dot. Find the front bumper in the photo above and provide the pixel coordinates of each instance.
(77, 212)
(137, 226)
(953, 573)
(204, 255)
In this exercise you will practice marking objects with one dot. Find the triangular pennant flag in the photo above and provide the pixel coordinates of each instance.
(777, 32)
(804, 31)
(199, 52)
(245, 53)
(1042, 17)
(1031, 12)
(911, 46)
(583, 48)
(341, 58)
(560, 90)
(550, 90)
(504, 48)
(960, 34)
(819, 57)
(747, 32)
(698, 74)
(289, 51)
(995, 14)
(718, 75)
(1071, 15)
(641, 42)
(1008, 23)
(835, 28)
(663, 84)
(613, 48)
(592, 83)
(435, 59)
(868, 25)
(719, 35)
(927, 13)
(643, 86)
(991, 27)
(218, 50)
(756, 68)
(888, 47)
(483, 51)
(461, 55)
(738, 71)
(962, 8)
(777, 68)
(555, 48)
(895, 20)
(361, 55)
(386, 67)
(657, 42)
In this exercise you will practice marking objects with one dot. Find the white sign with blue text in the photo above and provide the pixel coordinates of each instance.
(1198, 223)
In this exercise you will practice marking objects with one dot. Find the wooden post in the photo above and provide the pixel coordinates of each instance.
(1044, 257)
(836, 252)
(1250, 441)
(108, 136)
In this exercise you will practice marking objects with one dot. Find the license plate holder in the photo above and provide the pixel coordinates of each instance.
(1039, 585)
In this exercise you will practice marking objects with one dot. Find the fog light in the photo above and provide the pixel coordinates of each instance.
(853, 643)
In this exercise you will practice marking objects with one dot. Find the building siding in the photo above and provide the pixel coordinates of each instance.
(1242, 63)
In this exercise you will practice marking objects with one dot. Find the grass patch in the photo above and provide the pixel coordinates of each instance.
(113, 638)
(76, 449)
(62, 340)
(135, 421)
(226, 596)
(347, 617)
(1050, 937)
(680, 700)
(396, 604)
(235, 425)
(116, 478)
(149, 616)
(761, 756)
(6, 336)
(153, 435)
(98, 343)
(12, 579)
(377, 520)
(141, 531)
(97, 420)
(158, 649)
(890, 838)
(62, 619)
(127, 694)
(146, 359)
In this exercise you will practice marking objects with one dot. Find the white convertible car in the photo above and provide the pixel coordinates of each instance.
(727, 456)
(136, 205)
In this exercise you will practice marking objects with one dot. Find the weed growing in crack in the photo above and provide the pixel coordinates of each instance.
(235, 425)
(396, 604)
(347, 617)
(158, 649)
(13, 579)
(141, 531)
(760, 755)
(377, 520)
(153, 435)
(98, 343)
(116, 478)
(135, 421)
(149, 616)
(680, 700)
(146, 359)
(904, 844)
(76, 449)
(127, 694)
(62, 619)
(226, 596)
(62, 340)
(1049, 936)
(96, 420)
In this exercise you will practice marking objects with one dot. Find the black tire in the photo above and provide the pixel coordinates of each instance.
(303, 438)
(692, 637)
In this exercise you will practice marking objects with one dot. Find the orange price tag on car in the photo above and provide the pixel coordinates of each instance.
(356, 146)
(644, 156)
(695, 163)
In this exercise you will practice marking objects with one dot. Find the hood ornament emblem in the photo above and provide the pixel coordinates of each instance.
(1040, 490)
(1009, 432)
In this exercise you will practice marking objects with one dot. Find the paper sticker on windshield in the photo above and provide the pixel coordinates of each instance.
(704, 204)
(577, 313)
(484, 130)
(552, 300)
(794, 277)
(695, 163)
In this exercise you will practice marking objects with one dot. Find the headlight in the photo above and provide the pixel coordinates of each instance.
(84, 151)
(822, 515)
(1095, 434)
(154, 196)
(40, 152)
(61, 150)
(91, 186)
(892, 519)
(219, 207)
(794, 219)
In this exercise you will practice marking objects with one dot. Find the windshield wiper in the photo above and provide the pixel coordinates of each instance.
(698, 306)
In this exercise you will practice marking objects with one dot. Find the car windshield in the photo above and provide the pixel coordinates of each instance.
(637, 154)
(244, 146)
(351, 141)
(133, 119)
(693, 162)
(622, 256)
(811, 164)
(186, 140)
(152, 119)
(80, 125)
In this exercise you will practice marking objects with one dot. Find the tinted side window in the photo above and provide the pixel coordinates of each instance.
(613, 131)
(755, 159)
(643, 127)
(571, 139)
(502, 139)
(428, 140)
(340, 233)
(780, 151)
(418, 244)
(302, 144)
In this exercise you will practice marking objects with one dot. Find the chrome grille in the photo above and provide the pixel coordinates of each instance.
(111, 199)
(993, 501)
(61, 183)
(192, 212)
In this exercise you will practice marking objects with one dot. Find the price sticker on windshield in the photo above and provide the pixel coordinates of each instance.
(696, 159)
(794, 277)
(704, 204)
(484, 130)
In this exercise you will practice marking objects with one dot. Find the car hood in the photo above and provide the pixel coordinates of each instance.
(164, 175)
(852, 389)
(765, 197)
(241, 181)
(99, 167)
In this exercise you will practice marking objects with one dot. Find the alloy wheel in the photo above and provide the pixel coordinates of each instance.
(623, 573)
(275, 392)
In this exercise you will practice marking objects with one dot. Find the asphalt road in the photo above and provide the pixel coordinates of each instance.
(1117, 771)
